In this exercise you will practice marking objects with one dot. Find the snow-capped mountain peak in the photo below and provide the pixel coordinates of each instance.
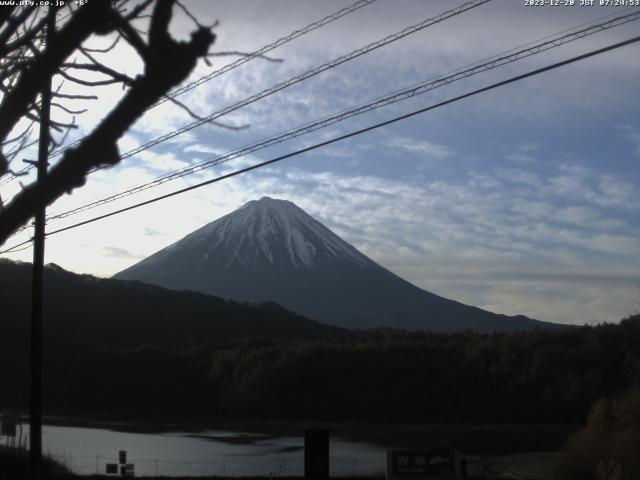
(267, 232)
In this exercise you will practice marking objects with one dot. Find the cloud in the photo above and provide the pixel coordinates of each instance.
(520, 157)
(633, 134)
(532, 210)
(617, 191)
(150, 232)
(562, 302)
(581, 216)
(524, 153)
(118, 252)
(203, 148)
(162, 162)
(520, 176)
(466, 215)
(423, 147)
(584, 184)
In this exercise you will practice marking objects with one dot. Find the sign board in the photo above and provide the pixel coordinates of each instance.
(112, 468)
(419, 464)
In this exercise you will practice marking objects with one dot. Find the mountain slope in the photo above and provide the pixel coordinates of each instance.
(272, 250)
(82, 311)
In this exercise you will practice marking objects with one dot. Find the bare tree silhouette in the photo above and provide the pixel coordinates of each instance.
(27, 62)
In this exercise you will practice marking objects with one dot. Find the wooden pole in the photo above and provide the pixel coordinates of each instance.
(35, 400)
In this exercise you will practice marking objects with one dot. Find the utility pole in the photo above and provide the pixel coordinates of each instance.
(35, 400)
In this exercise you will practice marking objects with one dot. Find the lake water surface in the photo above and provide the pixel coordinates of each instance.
(271, 449)
(210, 452)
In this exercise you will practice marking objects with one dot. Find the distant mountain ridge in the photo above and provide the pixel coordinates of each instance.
(272, 250)
(83, 311)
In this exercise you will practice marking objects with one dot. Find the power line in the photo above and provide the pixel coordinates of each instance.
(18, 248)
(301, 77)
(395, 97)
(349, 135)
(17, 174)
(266, 49)
(308, 74)
(256, 54)
(521, 46)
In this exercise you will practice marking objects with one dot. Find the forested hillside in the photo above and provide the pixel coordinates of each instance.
(155, 351)
(83, 311)
(537, 376)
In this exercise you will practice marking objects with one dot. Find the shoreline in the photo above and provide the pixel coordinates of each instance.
(480, 438)
(539, 465)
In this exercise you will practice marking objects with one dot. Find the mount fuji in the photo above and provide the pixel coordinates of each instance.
(272, 250)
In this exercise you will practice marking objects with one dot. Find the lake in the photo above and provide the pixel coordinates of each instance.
(210, 452)
(266, 448)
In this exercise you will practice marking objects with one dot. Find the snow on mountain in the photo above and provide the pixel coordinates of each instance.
(266, 231)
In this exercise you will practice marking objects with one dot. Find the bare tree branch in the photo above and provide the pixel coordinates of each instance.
(60, 126)
(54, 143)
(189, 14)
(26, 131)
(135, 13)
(195, 116)
(68, 110)
(5, 14)
(20, 173)
(29, 36)
(87, 83)
(131, 36)
(12, 26)
(99, 148)
(97, 67)
(14, 106)
(103, 50)
(75, 97)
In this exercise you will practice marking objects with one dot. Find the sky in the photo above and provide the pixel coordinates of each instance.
(521, 200)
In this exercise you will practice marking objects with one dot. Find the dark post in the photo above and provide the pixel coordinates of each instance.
(35, 406)
(316, 454)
